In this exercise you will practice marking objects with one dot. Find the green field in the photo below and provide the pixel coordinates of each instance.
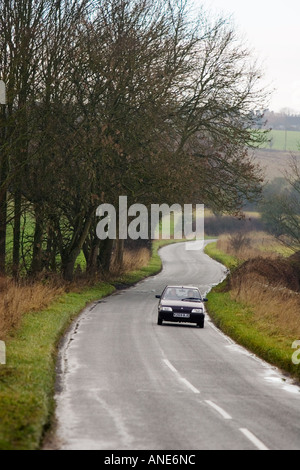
(287, 141)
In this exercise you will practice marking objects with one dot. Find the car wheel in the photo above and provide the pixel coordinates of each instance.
(201, 324)
(159, 321)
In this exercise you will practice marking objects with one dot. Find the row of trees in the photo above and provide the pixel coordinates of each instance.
(284, 120)
(280, 206)
(116, 97)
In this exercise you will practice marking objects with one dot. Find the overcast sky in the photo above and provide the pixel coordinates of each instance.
(272, 30)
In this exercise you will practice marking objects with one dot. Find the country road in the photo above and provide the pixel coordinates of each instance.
(125, 383)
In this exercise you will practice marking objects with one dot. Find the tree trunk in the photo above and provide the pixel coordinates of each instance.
(17, 233)
(91, 256)
(69, 265)
(3, 193)
(52, 245)
(36, 264)
(105, 255)
(70, 255)
(119, 254)
(3, 217)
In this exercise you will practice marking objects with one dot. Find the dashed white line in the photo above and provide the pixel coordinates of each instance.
(182, 379)
(220, 410)
(248, 434)
(260, 445)
(189, 385)
(171, 367)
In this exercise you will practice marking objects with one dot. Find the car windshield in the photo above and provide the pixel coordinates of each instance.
(179, 293)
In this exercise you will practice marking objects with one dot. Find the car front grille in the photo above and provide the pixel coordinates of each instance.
(182, 309)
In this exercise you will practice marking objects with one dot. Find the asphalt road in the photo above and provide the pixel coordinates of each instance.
(125, 383)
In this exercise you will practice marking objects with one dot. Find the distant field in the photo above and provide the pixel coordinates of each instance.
(287, 141)
(273, 162)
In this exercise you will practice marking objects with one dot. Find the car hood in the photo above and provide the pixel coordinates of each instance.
(180, 303)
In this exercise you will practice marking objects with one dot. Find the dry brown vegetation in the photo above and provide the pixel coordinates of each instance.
(267, 281)
(246, 245)
(19, 298)
(273, 162)
(135, 259)
(276, 308)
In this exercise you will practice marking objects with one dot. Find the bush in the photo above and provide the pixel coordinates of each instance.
(238, 241)
(275, 272)
(217, 225)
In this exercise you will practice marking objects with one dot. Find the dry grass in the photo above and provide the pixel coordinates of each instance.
(277, 309)
(245, 245)
(136, 259)
(132, 261)
(17, 299)
(267, 281)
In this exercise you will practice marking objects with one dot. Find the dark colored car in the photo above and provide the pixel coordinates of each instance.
(181, 304)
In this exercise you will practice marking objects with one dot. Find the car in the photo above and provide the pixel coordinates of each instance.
(181, 304)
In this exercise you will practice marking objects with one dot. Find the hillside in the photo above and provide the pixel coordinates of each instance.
(273, 162)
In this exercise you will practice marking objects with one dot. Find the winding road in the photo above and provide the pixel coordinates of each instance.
(125, 383)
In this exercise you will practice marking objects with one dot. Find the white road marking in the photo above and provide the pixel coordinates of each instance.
(182, 379)
(171, 367)
(189, 385)
(220, 410)
(260, 445)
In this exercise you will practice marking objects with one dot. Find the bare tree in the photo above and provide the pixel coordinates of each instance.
(281, 212)
(175, 104)
(20, 24)
(119, 97)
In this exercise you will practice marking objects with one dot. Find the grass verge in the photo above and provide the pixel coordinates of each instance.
(239, 321)
(27, 380)
(230, 261)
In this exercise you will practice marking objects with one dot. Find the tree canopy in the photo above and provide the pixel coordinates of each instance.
(118, 97)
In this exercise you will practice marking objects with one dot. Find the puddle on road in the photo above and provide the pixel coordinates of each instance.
(274, 377)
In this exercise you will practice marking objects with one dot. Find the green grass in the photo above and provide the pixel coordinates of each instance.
(237, 321)
(231, 262)
(27, 380)
(288, 141)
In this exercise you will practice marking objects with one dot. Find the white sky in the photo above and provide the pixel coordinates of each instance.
(271, 29)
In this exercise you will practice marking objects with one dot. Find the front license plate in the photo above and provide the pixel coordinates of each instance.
(181, 315)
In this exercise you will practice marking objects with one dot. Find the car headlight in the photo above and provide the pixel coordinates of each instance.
(166, 309)
(197, 310)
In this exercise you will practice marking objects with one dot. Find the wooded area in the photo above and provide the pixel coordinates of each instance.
(116, 97)
(283, 120)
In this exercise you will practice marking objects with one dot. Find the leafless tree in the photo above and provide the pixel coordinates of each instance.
(119, 97)
(281, 211)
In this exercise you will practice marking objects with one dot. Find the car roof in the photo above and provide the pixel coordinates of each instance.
(182, 287)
